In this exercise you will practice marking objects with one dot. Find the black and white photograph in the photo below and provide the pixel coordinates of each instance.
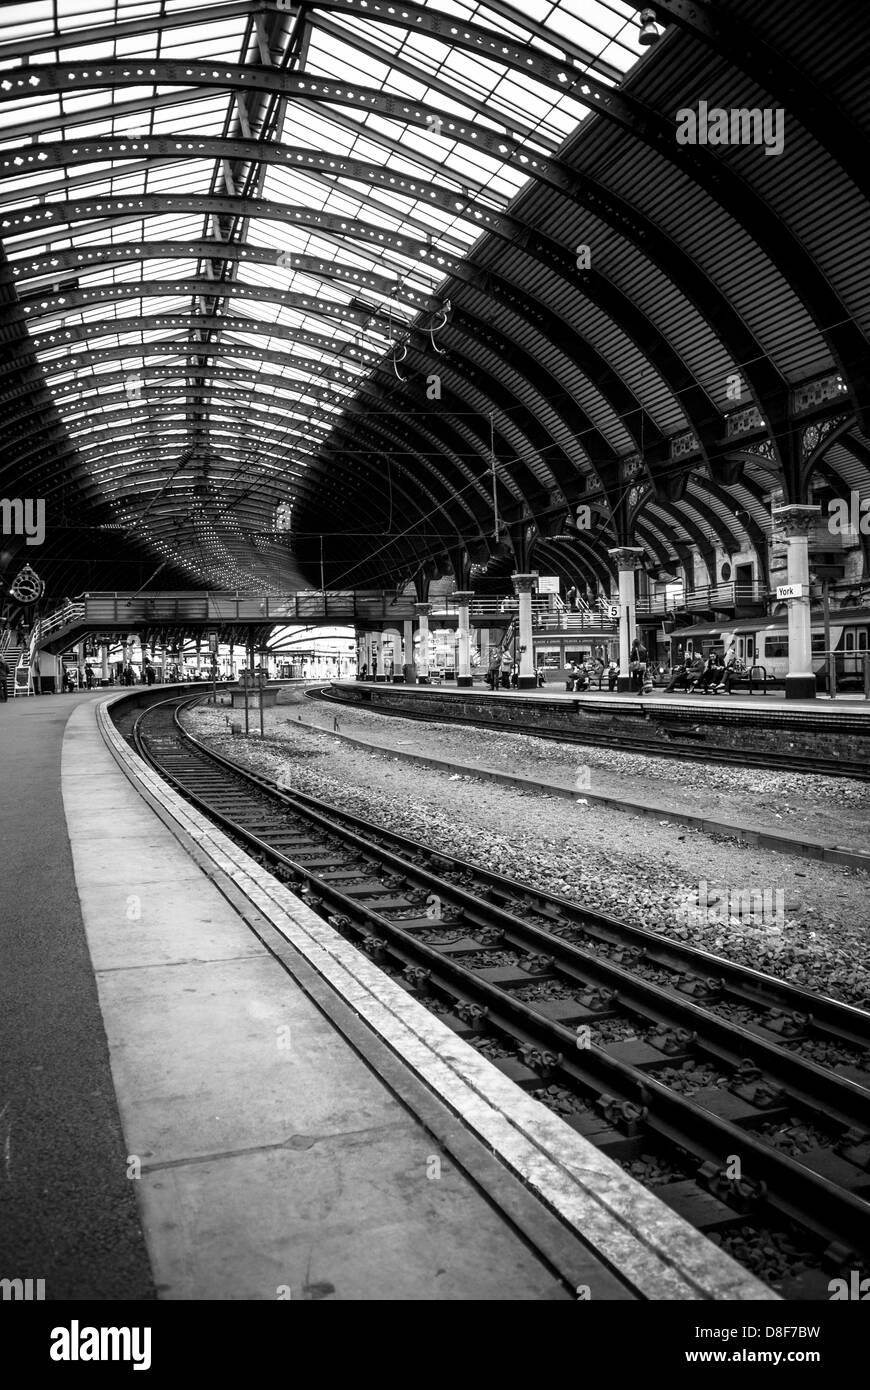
(434, 672)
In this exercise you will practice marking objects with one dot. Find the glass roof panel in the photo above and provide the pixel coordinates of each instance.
(270, 351)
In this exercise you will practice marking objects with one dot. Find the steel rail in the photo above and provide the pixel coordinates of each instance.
(785, 1185)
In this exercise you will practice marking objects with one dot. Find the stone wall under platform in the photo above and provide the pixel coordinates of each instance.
(772, 727)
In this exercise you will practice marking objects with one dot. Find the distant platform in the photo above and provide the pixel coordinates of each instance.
(843, 706)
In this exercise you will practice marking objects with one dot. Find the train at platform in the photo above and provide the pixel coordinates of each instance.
(764, 642)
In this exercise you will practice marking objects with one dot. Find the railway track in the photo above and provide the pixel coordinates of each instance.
(658, 747)
(645, 1045)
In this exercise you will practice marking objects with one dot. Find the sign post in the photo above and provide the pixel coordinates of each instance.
(213, 649)
(829, 655)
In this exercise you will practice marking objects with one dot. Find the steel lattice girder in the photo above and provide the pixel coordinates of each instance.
(708, 425)
(82, 332)
(625, 219)
(643, 122)
(267, 482)
(111, 327)
(86, 258)
(119, 447)
(607, 382)
(450, 195)
(647, 338)
(848, 345)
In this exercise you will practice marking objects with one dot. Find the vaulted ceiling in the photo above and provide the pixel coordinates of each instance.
(283, 281)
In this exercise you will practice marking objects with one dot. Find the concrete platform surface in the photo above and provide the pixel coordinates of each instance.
(267, 1158)
(68, 1214)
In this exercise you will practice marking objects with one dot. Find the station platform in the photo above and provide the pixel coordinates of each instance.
(843, 704)
(209, 1094)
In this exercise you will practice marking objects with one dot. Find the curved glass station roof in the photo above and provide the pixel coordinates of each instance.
(212, 250)
(292, 290)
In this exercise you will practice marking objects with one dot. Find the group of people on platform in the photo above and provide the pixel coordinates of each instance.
(713, 675)
(503, 673)
(690, 673)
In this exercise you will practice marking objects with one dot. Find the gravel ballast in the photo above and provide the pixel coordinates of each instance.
(813, 931)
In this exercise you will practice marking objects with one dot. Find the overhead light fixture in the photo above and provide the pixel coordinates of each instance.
(649, 31)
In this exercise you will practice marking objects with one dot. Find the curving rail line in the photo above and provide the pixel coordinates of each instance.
(636, 1041)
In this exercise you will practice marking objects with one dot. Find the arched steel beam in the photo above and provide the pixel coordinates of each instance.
(71, 301)
(574, 419)
(569, 567)
(582, 557)
(655, 535)
(706, 551)
(270, 488)
(753, 532)
(848, 345)
(656, 546)
(85, 258)
(110, 327)
(702, 417)
(67, 153)
(120, 353)
(94, 328)
(647, 237)
(735, 38)
(721, 182)
(726, 536)
(484, 280)
(619, 398)
(705, 421)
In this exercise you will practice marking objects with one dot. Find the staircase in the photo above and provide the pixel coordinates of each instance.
(10, 653)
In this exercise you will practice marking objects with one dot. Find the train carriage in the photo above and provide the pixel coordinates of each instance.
(764, 642)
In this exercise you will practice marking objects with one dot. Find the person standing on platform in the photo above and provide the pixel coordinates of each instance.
(728, 671)
(4, 677)
(506, 671)
(637, 665)
(89, 676)
(540, 675)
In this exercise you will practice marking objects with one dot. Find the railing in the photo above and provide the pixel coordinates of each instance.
(845, 670)
(588, 621)
(70, 612)
(549, 614)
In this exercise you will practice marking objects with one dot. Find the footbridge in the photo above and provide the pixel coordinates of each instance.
(243, 619)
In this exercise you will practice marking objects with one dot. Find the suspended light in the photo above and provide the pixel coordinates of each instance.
(649, 32)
